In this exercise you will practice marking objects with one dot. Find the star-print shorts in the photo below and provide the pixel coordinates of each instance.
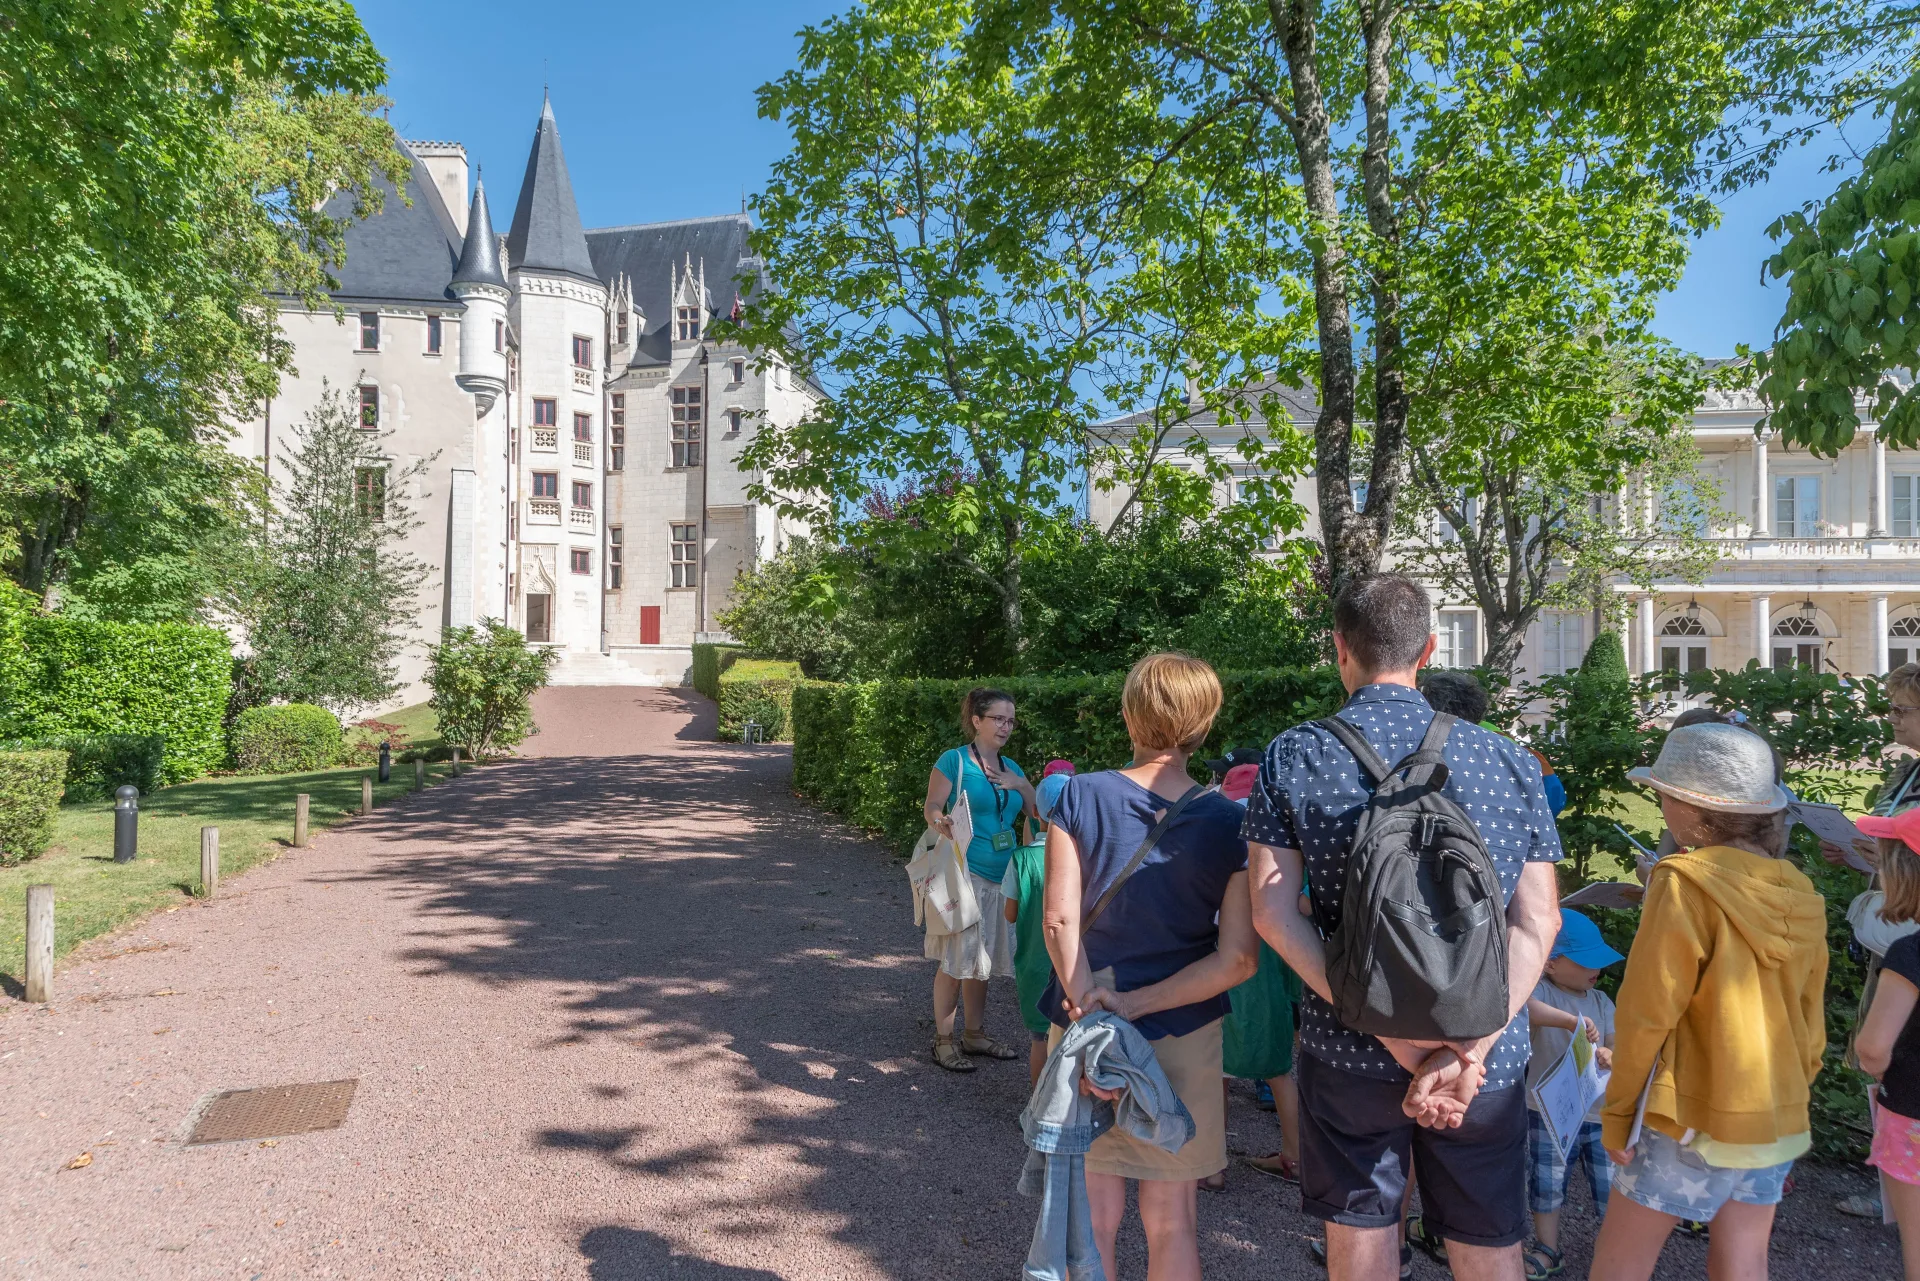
(1896, 1146)
(1666, 1177)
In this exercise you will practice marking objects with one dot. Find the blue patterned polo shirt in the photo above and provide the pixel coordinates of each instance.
(1309, 798)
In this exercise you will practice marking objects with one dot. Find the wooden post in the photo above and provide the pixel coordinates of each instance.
(419, 773)
(209, 861)
(40, 943)
(300, 803)
(366, 793)
(456, 762)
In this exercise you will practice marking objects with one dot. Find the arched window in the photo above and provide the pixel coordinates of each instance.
(1903, 641)
(1683, 647)
(1796, 642)
(1681, 625)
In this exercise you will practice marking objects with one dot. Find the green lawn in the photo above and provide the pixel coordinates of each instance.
(420, 727)
(93, 894)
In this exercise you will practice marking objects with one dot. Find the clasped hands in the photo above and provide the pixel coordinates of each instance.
(1446, 1076)
(1099, 998)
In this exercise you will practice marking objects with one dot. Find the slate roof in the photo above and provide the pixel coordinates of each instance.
(404, 253)
(480, 256)
(648, 253)
(546, 233)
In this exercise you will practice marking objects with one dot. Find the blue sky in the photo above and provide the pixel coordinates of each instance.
(656, 107)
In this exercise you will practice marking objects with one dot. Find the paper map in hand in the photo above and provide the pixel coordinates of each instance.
(1830, 825)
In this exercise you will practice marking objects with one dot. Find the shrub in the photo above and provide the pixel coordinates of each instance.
(483, 679)
(756, 689)
(360, 743)
(29, 795)
(709, 661)
(63, 677)
(863, 750)
(286, 738)
(99, 764)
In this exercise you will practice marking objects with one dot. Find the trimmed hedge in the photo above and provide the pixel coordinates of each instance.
(29, 795)
(709, 661)
(757, 689)
(286, 738)
(100, 764)
(863, 750)
(67, 678)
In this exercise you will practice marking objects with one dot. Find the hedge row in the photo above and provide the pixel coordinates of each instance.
(286, 738)
(864, 750)
(709, 661)
(63, 677)
(29, 794)
(100, 764)
(759, 690)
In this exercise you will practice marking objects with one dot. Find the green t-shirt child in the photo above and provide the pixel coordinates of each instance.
(1024, 886)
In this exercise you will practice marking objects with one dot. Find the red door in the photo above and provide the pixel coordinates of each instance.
(649, 624)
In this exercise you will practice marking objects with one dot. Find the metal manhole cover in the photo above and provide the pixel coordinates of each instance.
(273, 1111)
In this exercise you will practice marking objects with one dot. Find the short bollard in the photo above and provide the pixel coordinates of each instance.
(209, 861)
(419, 773)
(386, 762)
(366, 793)
(456, 762)
(750, 732)
(300, 803)
(126, 824)
(40, 943)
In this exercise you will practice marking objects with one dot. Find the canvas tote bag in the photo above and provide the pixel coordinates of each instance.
(943, 898)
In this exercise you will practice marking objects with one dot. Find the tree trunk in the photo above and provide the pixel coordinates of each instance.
(1390, 399)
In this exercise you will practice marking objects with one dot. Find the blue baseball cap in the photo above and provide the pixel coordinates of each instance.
(1580, 942)
(1048, 793)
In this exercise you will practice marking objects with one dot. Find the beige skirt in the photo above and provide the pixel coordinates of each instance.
(981, 950)
(1192, 1065)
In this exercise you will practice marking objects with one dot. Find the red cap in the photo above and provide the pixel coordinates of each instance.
(1238, 784)
(1059, 765)
(1904, 826)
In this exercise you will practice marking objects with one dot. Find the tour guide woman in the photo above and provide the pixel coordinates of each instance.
(1162, 952)
(997, 793)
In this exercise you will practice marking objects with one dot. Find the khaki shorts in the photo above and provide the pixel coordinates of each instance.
(1192, 1065)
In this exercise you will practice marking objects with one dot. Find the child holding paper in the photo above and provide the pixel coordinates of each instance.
(1566, 1004)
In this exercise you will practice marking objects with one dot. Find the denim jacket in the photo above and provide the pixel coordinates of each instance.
(1060, 1124)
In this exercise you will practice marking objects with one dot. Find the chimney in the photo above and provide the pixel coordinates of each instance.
(446, 165)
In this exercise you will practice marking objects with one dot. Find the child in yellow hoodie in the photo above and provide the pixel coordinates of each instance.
(1719, 1028)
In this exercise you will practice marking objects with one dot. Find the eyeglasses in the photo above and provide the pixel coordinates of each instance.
(1902, 709)
(1007, 721)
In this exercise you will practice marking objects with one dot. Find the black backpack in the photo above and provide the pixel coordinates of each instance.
(1420, 947)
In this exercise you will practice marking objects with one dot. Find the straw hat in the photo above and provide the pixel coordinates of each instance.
(1717, 767)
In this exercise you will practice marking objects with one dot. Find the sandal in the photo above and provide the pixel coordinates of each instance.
(946, 1052)
(1214, 1182)
(1542, 1261)
(1278, 1165)
(1418, 1237)
(1860, 1206)
(972, 1042)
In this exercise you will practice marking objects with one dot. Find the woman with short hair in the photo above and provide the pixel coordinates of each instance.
(997, 795)
(1166, 941)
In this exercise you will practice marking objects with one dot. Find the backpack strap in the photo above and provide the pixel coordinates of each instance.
(1354, 741)
(1431, 754)
(1139, 856)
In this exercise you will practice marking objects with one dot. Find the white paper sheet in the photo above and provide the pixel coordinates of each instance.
(1831, 825)
(1568, 1091)
(1606, 894)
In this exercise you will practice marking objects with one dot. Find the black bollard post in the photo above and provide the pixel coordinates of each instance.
(386, 762)
(126, 824)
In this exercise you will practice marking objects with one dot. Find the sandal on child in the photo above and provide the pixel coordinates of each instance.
(1278, 1165)
(1542, 1261)
(972, 1042)
(946, 1052)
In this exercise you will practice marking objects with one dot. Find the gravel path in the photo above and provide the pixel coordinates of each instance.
(622, 1009)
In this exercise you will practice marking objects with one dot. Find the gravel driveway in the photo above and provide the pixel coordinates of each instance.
(622, 1009)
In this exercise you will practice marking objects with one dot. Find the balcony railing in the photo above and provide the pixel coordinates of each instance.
(580, 518)
(583, 453)
(546, 440)
(1762, 549)
(543, 511)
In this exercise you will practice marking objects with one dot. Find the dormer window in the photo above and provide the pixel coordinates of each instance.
(686, 325)
(620, 328)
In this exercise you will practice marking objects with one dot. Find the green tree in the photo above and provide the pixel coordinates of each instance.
(483, 679)
(332, 592)
(169, 165)
(793, 607)
(979, 273)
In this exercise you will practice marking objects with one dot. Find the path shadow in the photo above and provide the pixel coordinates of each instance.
(624, 1254)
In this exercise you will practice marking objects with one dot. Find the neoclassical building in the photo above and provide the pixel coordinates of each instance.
(578, 422)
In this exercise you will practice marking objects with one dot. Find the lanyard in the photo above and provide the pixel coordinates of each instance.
(999, 793)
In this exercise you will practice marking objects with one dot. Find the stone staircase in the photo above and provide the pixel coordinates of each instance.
(651, 665)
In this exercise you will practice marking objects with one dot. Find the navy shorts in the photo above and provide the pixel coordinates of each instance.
(1355, 1145)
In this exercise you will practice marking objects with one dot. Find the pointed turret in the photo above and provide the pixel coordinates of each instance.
(480, 256)
(546, 235)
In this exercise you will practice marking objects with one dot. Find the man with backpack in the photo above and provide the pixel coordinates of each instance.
(1426, 848)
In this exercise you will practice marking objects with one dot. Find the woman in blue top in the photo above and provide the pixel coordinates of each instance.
(997, 795)
(1162, 953)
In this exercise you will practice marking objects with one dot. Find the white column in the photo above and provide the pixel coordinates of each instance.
(1877, 516)
(1877, 623)
(1763, 629)
(1762, 495)
(1643, 632)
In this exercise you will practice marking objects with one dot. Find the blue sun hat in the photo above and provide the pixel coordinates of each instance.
(1580, 942)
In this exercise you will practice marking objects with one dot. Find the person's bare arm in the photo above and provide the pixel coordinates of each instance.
(1231, 963)
(1010, 908)
(1893, 1000)
(1060, 914)
(1275, 878)
(1544, 1015)
(939, 788)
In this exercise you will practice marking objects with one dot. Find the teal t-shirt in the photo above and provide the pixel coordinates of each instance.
(994, 811)
(1026, 883)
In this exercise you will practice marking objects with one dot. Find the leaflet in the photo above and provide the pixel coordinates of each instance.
(1833, 826)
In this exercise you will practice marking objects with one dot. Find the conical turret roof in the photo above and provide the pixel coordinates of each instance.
(546, 233)
(480, 256)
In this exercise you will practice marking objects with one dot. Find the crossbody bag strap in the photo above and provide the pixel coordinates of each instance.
(1139, 856)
